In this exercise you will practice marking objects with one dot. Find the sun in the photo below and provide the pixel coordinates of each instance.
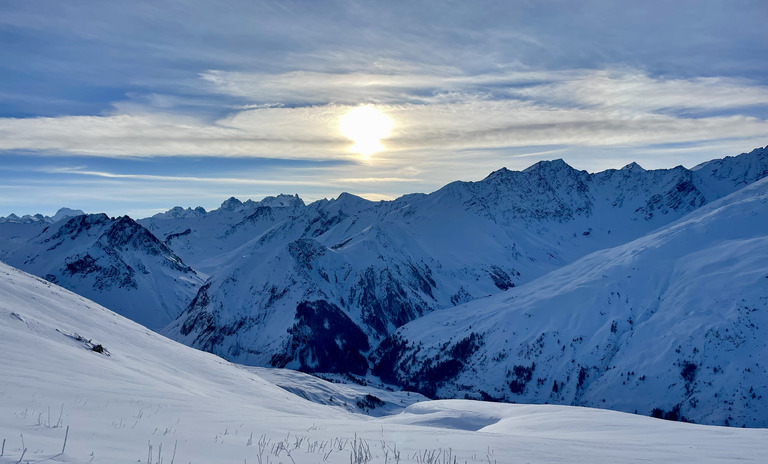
(366, 126)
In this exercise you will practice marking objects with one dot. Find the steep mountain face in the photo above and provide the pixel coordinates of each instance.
(115, 262)
(672, 324)
(317, 287)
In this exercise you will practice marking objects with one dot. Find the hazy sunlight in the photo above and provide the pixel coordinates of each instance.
(366, 126)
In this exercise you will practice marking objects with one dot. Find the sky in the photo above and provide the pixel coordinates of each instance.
(136, 107)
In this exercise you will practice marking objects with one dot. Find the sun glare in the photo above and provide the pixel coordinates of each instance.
(366, 126)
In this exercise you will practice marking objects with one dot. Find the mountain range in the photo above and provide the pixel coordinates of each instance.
(672, 324)
(627, 289)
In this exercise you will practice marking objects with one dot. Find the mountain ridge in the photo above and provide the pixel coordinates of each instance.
(708, 270)
(386, 263)
(322, 287)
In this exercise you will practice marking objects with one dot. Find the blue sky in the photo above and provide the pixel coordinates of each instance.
(135, 107)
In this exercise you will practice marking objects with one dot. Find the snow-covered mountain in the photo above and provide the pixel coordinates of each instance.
(317, 287)
(62, 213)
(82, 384)
(15, 230)
(115, 262)
(206, 240)
(672, 324)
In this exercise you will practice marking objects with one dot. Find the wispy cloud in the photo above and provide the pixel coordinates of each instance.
(403, 84)
(373, 180)
(634, 91)
(186, 179)
(166, 135)
(585, 108)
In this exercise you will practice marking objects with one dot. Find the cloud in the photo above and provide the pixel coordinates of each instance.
(149, 135)
(619, 88)
(349, 88)
(374, 180)
(97, 52)
(282, 180)
(185, 179)
(431, 112)
(633, 91)
(485, 124)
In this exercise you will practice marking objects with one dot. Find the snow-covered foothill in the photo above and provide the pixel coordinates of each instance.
(354, 395)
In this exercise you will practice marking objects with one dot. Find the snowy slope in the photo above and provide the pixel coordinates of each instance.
(675, 320)
(116, 262)
(317, 287)
(360, 398)
(145, 399)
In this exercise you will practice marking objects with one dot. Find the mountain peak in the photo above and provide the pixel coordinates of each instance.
(550, 166)
(231, 204)
(633, 167)
(347, 196)
(75, 226)
(13, 218)
(177, 212)
(89, 219)
(283, 200)
(350, 201)
(66, 212)
(497, 174)
(63, 213)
